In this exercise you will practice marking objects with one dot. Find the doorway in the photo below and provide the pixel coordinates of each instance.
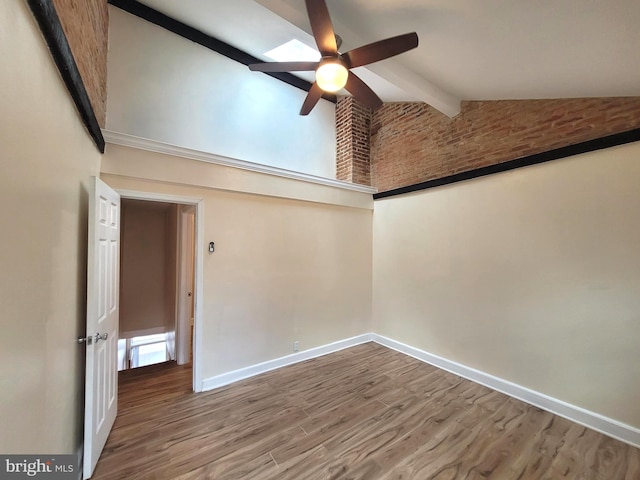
(161, 281)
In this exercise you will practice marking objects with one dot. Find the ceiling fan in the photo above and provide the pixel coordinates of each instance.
(333, 70)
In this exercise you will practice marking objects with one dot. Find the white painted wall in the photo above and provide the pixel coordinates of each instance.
(165, 88)
(292, 259)
(47, 159)
(531, 275)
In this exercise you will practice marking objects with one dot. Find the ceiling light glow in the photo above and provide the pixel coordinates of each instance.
(332, 76)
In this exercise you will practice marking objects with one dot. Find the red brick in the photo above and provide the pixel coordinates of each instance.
(86, 26)
(412, 142)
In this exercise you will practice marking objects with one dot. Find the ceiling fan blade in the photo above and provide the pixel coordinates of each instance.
(283, 66)
(315, 92)
(322, 27)
(362, 92)
(377, 51)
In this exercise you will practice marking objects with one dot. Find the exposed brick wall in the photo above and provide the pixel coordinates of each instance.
(412, 142)
(86, 26)
(343, 140)
(353, 126)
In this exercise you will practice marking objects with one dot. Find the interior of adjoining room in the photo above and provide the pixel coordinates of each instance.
(157, 283)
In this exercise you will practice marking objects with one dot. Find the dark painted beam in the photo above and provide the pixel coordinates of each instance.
(49, 22)
(185, 31)
(555, 154)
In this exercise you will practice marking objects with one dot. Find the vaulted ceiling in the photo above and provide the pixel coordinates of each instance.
(469, 49)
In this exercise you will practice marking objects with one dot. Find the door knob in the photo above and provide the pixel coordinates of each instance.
(99, 337)
(95, 339)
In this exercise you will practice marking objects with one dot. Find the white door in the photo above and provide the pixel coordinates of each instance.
(103, 265)
(186, 245)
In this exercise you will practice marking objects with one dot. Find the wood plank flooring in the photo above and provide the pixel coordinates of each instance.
(363, 413)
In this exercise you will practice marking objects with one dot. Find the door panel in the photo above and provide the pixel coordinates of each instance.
(101, 383)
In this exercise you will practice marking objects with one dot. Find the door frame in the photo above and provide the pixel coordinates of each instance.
(185, 281)
(198, 203)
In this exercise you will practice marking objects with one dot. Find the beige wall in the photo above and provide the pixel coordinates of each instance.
(531, 275)
(284, 269)
(47, 160)
(147, 274)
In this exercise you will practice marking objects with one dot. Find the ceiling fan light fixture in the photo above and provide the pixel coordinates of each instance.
(332, 76)
(333, 71)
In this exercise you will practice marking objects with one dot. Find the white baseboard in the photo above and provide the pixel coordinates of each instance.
(608, 426)
(595, 421)
(242, 373)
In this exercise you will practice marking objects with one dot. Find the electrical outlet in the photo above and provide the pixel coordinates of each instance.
(296, 346)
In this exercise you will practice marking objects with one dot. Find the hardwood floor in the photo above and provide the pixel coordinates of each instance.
(363, 413)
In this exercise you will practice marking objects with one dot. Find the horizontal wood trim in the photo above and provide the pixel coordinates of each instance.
(141, 333)
(555, 154)
(185, 31)
(49, 23)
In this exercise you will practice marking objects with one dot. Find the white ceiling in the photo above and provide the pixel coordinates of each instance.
(469, 49)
